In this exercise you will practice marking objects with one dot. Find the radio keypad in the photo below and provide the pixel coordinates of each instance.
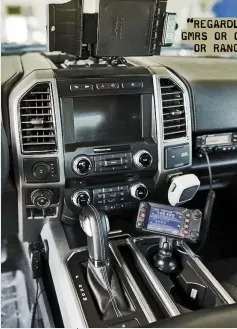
(111, 198)
(113, 162)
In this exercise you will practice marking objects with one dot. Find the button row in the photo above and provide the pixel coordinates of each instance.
(108, 157)
(115, 162)
(116, 197)
(106, 86)
(127, 205)
(111, 189)
(226, 148)
(115, 168)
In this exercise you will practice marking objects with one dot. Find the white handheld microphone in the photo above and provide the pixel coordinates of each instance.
(182, 189)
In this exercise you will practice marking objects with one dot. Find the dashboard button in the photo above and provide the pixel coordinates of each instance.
(41, 170)
(110, 189)
(120, 206)
(102, 86)
(194, 234)
(82, 86)
(113, 85)
(113, 162)
(127, 161)
(99, 190)
(136, 84)
(100, 163)
(99, 196)
(128, 166)
(122, 188)
(185, 232)
(110, 195)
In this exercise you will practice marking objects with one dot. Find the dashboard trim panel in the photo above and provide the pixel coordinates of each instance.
(28, 228)
(159, 73)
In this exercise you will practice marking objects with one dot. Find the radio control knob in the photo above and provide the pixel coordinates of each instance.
(139, 191)
(81, 198)
(42, 199)
(197, 214)
(82, 165)
(142, 159)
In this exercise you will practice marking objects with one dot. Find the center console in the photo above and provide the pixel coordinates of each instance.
(110, 138)
(122, 281)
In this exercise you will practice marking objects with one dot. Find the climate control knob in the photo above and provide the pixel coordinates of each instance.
(139, 191)
(82, 165)
(142, 159)
(42, 199)
(81, 198)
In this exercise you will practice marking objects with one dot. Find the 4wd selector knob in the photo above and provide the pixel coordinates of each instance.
(142, 159)
(81, 198)
(42, 199)
(82, 165)
(139, 191)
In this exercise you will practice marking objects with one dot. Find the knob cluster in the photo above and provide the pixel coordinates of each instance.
(142, 159)
(42, 199)
(139, 191)
(81, 198)
(82, 165)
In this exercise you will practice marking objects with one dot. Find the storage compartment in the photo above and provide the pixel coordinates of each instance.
(187, 285)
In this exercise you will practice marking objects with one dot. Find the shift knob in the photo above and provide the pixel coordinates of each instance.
(96, 226)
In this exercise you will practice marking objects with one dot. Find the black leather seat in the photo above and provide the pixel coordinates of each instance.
(225, 271)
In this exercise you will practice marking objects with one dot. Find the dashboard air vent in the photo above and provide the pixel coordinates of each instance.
(174, 120)
(38, 133)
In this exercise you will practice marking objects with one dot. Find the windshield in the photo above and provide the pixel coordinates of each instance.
(23, 23)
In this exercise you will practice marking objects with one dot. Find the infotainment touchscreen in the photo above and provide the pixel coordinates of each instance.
(107, 119)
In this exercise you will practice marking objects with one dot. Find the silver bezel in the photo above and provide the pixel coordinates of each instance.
(29, 228)
(75, 164)
(137, 156)
(133, 189)
(76, 194)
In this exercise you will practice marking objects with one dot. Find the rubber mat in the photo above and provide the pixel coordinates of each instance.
(15, 311)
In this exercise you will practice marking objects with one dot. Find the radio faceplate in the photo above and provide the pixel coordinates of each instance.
(176, 222)
(225, 142)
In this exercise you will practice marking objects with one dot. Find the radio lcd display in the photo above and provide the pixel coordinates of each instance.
(161, 219)
(218, 139)
(101, 120)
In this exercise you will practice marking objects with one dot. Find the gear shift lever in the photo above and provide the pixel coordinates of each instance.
(96, 226)
(102, 279)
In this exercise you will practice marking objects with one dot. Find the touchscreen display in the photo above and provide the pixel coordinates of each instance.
(101, 120)
(163, 220)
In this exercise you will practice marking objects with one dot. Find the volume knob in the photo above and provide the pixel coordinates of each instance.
(139, 191)
(82, 165)
(81, 198)
(142, 159)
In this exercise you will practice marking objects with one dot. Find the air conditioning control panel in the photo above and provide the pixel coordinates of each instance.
(108, 198)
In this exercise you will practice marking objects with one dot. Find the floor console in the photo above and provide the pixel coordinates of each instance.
(149, 294)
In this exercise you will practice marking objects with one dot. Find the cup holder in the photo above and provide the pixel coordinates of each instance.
(153, 250)
(194, 298)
